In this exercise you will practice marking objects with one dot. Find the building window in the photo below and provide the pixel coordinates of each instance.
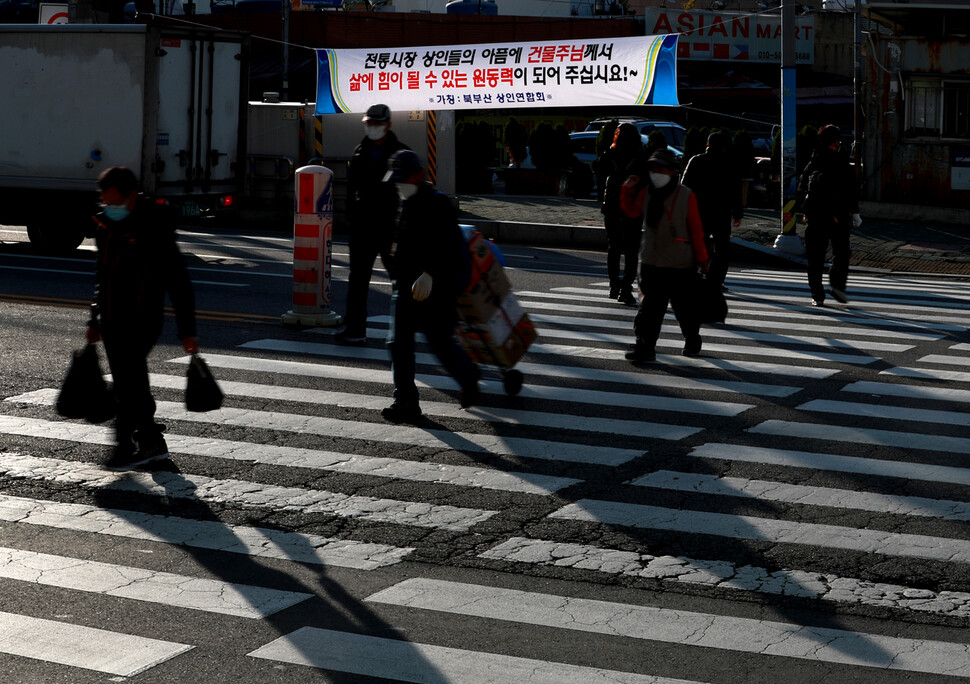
(956, 110)
(938, 108)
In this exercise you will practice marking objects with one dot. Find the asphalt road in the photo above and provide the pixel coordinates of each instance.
(791, 506)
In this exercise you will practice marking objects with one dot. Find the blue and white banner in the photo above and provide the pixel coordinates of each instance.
(561, 73)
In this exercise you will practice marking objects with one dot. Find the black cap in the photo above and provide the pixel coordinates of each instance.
(663, 158)
(378, 113)
(718, 140)
(402, 165)
(828, 135)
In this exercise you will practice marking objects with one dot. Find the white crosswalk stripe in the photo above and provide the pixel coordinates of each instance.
(201, 534)
(844, 464)
(411, 662)
(682, 627)
(145, 585)
(78, 646)
(379, 432)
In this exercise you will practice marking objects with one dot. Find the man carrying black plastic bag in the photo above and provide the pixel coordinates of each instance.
(138, 263)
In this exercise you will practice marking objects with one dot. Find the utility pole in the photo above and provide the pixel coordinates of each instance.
(285, 94)
(788, 240)
(857, 120)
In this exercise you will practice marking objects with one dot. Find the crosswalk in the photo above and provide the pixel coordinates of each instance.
(814, 459)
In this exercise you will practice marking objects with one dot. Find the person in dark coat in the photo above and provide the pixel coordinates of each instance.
(622, 232)
(828, 195)
(429, 273)
(671, 252)
(715, 179)
(138, 263)
(371, 207)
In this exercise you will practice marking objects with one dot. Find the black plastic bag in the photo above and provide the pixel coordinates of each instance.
(202, 392)
(711, 306)
(84, 393)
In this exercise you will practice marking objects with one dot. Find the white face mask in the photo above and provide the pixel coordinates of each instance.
(659, 179)
(375, 132)
(406, 190)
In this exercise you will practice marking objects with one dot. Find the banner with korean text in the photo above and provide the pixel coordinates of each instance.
(562, 73)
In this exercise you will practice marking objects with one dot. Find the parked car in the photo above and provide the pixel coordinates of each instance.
(583, 146)
(673, 132)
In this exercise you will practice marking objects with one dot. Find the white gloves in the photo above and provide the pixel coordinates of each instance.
(856, 220)
(421, 288)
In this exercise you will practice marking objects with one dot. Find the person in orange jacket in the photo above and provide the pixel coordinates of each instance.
(671, 251)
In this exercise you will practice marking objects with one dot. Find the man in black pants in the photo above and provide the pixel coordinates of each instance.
(138, 262)
(371, 207)
(715, 179)
(430, 269)
(828, 195)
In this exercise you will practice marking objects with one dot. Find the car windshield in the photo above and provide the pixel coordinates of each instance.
(586, 144)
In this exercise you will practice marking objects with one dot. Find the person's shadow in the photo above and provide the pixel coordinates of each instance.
(224, 553)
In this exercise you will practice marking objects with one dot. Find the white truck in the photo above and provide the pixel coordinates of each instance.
(168, 103)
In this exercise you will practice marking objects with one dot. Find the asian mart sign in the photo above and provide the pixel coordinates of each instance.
(563, 73)
(731, 36)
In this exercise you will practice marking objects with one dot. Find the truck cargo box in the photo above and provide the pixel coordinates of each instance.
(169, 103)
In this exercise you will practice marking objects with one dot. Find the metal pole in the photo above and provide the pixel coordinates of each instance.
(788, 240)
(285, 94)
(857, 121)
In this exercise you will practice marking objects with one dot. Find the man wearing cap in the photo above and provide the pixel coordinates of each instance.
(671, 250)
(371, 206)
(428, 274)
(715, 179)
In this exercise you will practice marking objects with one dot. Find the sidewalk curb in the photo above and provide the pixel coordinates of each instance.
(552, 234)
(546, 234)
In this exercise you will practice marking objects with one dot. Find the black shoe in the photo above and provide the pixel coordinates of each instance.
(402, 412)
(469, 396)
(614, 291)
(125, 457)
(350, 340)
(640, 354)
(818, 301)
(838, 295)
(152, 447)
(626, 297)
(692, 348)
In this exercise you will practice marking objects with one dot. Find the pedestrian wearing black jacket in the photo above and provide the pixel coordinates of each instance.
(428, 272)
(617, 164)
(138, 262)
(715, 179)
(828, 196)
(372, 204)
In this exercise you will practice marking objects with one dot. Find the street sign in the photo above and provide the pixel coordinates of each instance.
(52, 13)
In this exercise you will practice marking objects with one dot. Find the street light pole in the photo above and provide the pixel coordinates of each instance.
(286, 51)
(857, 119)
(788, 240)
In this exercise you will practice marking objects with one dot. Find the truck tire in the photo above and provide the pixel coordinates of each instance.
(56, 237)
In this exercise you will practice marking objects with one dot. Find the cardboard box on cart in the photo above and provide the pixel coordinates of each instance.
(503, 339)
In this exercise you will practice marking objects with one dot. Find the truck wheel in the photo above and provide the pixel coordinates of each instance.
(54, 238)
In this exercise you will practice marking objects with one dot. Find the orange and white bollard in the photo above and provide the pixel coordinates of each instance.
(312, 249)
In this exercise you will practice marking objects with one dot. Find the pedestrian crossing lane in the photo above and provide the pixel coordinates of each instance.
(731, 387)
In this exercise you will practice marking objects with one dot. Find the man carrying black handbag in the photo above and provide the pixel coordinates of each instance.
(138, 263)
